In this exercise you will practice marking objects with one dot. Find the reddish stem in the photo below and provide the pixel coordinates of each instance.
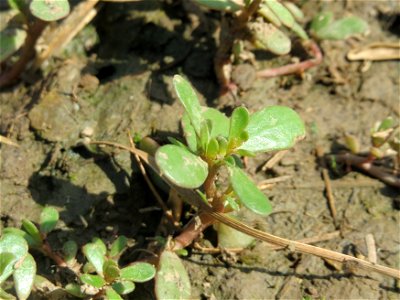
(46, 249)
(296, 67)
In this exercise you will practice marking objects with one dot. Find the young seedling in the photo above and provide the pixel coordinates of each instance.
(214, 144)
(385, 143)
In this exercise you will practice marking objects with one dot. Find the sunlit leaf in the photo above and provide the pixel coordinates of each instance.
(181, 166)
(95, 256)
(189, 100)
(342, 29)
(123, 287)
(24, 276)
(273, 128)
(231, 238)
(321, 21)
(31, 242)
(11, 41)
(269, 15)
(296, 12)
(33, 231)
(110, 270)
(238, 122)
(172, 280)
(99, 242)
(75, 290)
(111, 294)
(7, 261)
(266, 36)
(15, 244)
(93, 280)
(48, 219)
(118, 246)
(220, 122)
(49, 10)
(212, 148)
(138, 272)
(204, 135)
(281, 12)
(248, 192)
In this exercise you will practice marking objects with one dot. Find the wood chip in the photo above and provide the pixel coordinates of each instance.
(376, 52)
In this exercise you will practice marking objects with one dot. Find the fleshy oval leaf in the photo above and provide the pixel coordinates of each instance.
(93, 280)
(248, 192)
(24, 276)
(220, 122)
(138, 272)
(238, 122)
(48, 219)
(49, 10)
(172, 280)
(123, 287)
(266, 36)
(182, 167)
(342, 29)
(111, 294)
(11, 41)
(281, 12)
(33, 231)
(189, 100)
(111, 270)
(118, 246)
(273, 128)
(95, 256)
(70, 248)
(221, 5)
(75, 290)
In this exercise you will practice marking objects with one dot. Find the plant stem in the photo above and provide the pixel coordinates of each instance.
(296, 67)
(48, 251)
(28, 51)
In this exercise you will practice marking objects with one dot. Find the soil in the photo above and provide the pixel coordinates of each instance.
(120, 81)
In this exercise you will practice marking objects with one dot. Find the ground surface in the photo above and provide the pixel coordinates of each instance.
(123, 82)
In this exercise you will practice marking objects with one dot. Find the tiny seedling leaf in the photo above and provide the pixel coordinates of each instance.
(118, 246)
(15, 244)
(239, 121)
(24, 276)
(296, 12)
(75, 290)
(248, 193)
(11, 41)
(123, 287)
(231, 238)
(181, 166)
(70, 248)
(221, 5)
(281, 12)
(111, 270)
(138, 272)
(273, 128)
(111, 294)
(321, 21)
(342, 28)
(220, 122)
(266, 36)
(267, 13)
(172, 280)
(99, 242)
(93, 280)
(95, 255)
(49, 10)
(33, 231)
(48, 219)
(204, 135)
(189, 100)
(31, 242)
(212, 148)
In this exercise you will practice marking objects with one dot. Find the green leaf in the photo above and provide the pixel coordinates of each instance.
(385, 124)
(24, 276)
(138, 272)
(15, 244)
(231, 238)
(123, 287)
(6, 296)
(93, 280)
(19, 5)
(268, 14)
(321, 21)
(95, 255)
(212, 148)
(111, 270)
(248, 193)
(189, 100)
(296, 12)
(182, 167)
(99, 242)
(48, 219)
(31, 242)
(204, 135)
(273, 128)
(342, 29)
(189, 133)
(281, 12)
(49, 10)
(266, 36)
(33, 231)
(7, 261)
(172, 280)
(220, 122)
(70, 248)
(222, 5)
(75, 290)
(239, 121)
(118, 246)
(223, 145)
(11, 41)
(111, 294)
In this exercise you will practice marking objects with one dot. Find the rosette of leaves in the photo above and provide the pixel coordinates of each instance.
(277, 15)
(103, 275)
(324, 27)
(213, 141)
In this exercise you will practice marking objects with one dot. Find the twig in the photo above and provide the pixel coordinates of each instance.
(360, 162)
(268, 182)
(331, 200)
(274, 159)
(296, 67)
(371, 248)
(194, 199)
